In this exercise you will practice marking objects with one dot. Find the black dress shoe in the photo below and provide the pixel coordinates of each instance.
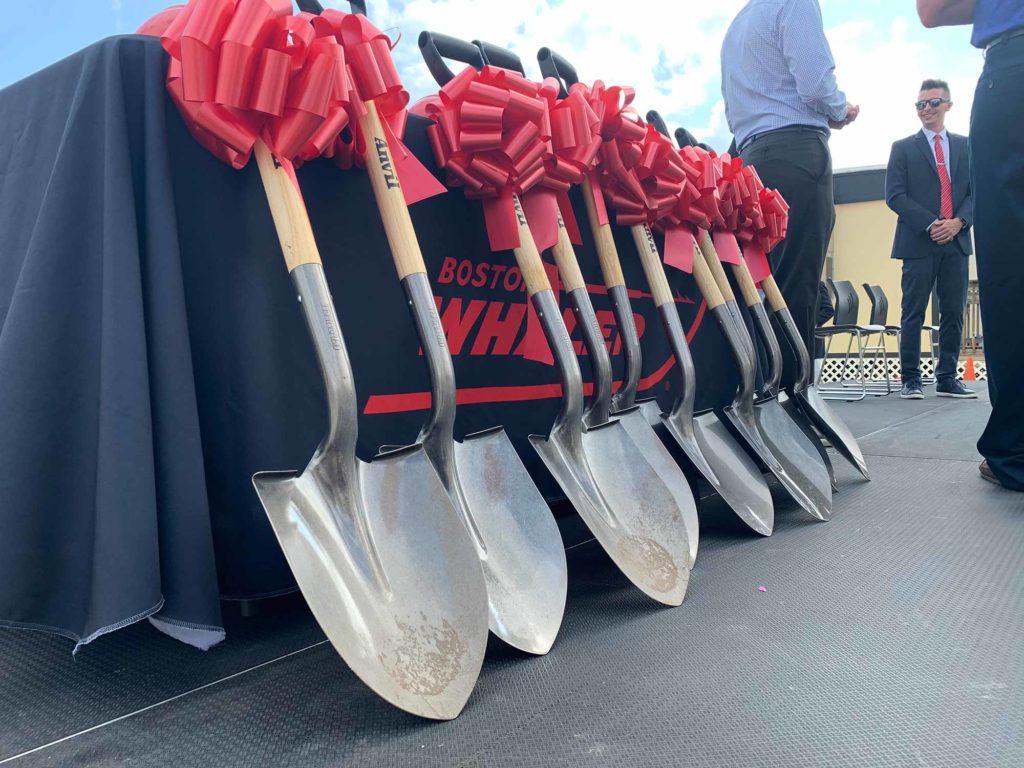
(954, 388)
(987, 473)
(912, 391)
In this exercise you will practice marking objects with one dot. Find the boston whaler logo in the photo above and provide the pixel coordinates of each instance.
(385, 163)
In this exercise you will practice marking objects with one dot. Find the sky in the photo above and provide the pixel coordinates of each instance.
(668, 50)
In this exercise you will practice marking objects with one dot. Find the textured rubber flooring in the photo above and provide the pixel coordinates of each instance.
(891, 636)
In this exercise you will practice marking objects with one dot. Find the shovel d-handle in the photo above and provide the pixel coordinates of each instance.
(435, 48)
(654, 118)
(599, 410)
(538, 288)
(497, 56)
(553, 65)
(788, 325)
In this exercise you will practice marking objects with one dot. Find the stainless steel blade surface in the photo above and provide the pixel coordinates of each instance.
(522, 555)
(385, 565)
(833, 427)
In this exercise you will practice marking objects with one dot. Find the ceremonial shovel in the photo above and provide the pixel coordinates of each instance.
(516, 536)
(707, 443)
(620, 496)
(378, 550)
(767, 429)
(600, 409)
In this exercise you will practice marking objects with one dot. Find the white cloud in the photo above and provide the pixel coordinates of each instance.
(669, 51)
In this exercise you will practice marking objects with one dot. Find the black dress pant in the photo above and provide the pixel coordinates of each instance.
(946, 270)
(797, 162)
(997, 179)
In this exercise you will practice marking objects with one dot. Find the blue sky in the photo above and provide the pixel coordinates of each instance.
(668, 51)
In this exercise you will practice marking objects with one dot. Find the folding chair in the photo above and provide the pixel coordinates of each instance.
(860, 384)
(880, 314)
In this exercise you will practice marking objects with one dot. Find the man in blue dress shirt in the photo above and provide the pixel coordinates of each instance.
(781, 102)
(997, 179)
(928, 185)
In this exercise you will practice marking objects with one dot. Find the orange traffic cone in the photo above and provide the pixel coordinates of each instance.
(969, 374)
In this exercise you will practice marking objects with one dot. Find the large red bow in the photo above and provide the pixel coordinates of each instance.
(241, 69)
(491, 134)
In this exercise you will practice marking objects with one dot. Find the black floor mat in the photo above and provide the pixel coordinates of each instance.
(890, 636)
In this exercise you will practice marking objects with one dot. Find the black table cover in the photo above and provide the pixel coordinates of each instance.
(152, 354)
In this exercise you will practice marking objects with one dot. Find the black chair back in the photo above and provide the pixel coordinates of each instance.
(847, 303)
(879, 304)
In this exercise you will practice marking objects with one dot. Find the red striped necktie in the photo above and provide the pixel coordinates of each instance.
(945, 188)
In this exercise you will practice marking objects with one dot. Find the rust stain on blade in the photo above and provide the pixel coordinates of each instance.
(649, 557)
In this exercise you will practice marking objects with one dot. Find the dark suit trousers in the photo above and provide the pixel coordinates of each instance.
(945, 268)
(997, 163)
(799, 165)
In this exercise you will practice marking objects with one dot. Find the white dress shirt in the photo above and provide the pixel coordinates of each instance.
(930, 135)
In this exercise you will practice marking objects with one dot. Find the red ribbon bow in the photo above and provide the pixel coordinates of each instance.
(491, 134)
(241, 69)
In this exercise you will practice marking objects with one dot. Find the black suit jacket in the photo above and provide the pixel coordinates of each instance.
(912, 191)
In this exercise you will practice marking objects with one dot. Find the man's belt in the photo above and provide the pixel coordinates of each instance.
(1004, 38)
(785, 129)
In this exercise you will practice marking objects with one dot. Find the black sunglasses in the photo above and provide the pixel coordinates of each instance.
(934, 103)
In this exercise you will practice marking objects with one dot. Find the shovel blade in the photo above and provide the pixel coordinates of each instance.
(626, 505)
(735, 476)
(649, 444)
(390, 573)
(803, 472)
(833, 427)
(799, 417)
(518, 542)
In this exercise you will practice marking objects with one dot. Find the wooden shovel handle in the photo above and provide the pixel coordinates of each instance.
(773, 294)
(565, 258)
(707, 247)
(527, 255)
(288, 209)
(604, 241)
(706, 281)
(651, 261)
(746, 282)
(380, 165)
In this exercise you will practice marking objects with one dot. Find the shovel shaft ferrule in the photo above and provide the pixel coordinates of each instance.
(567, 424)
(764, 329)
(796, 342)
(682, 409)
(626, 396)
(599, 410)
(335, 368)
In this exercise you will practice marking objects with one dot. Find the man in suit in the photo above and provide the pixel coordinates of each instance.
(928, 185)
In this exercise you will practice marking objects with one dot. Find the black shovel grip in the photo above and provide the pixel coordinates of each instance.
(314, 7)
(654, 118)
(686, 139)
(436, 47)
(497, 56)
(553, 65)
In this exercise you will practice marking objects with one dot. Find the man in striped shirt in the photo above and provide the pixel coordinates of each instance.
(781, 102)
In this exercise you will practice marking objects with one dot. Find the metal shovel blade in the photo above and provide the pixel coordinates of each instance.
(654, 451)
(833, 427)
(799, 416)
(736, 478)
(377, 549)
(389, 573)
(522, 554)
(629, 510)
(799, 457)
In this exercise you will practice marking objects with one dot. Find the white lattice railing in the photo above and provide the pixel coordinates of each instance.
(837, 369)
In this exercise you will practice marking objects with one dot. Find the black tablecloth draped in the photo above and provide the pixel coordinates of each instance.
(152, 353)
